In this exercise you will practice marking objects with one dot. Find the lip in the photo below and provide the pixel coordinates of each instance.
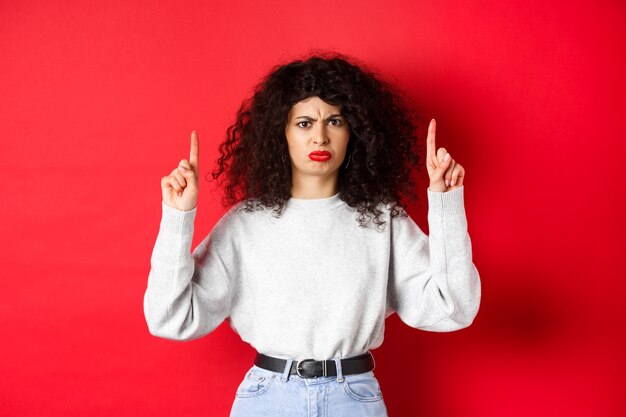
(320, 156)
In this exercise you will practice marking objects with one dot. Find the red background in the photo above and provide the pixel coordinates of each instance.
(97, 101)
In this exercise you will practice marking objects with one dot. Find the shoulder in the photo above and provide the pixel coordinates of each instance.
(403, 228)
(238, 218)
(229, 220)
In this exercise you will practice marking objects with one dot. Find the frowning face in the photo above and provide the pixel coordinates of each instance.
(317, 136)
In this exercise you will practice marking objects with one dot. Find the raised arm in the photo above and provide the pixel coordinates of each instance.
(433, 283)
(188, 294)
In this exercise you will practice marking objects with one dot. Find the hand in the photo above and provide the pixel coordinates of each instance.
(445, 174)
(180, 188)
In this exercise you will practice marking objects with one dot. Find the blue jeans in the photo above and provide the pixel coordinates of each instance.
(268, 393)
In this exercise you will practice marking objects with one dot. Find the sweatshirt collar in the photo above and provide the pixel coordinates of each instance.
(315, 203)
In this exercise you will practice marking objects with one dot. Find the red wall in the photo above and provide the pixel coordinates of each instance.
(97, 103)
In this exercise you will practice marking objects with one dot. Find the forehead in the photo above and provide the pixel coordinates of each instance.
(315, 105)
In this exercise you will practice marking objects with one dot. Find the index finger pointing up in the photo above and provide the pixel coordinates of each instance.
(430, 139)
(195, 151)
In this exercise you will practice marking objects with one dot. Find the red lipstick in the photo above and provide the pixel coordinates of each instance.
(319, 156)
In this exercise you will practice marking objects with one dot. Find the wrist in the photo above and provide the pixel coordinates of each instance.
(437, 189)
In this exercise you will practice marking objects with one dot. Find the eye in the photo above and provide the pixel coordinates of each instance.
(300, 124)
(335, 122)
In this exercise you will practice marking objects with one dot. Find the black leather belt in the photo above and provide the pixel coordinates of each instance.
(309, 368)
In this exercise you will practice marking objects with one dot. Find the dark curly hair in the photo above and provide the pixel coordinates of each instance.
(379, 158)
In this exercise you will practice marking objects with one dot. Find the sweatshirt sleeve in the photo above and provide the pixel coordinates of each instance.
(188, 293)
(433, 284)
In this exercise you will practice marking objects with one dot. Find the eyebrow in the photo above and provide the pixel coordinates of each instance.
(309, 118)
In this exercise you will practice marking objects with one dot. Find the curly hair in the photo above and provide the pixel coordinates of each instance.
(379, 158)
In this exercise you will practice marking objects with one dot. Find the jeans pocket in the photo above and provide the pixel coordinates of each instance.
(256, 382)
(363, 387)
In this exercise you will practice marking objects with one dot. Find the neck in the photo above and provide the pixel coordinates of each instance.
(313, 187)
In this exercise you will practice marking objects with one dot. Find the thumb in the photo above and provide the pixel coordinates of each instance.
(185, 168)
(444, 163)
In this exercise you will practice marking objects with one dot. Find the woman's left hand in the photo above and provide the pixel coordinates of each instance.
(445, 174)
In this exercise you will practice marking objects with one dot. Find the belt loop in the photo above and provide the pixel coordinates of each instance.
(339, 370)
(373, 360)
(285, 376)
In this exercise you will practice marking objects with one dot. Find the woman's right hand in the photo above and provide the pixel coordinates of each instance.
(180, 188)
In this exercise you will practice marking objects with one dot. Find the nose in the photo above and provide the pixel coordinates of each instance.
(320, 136)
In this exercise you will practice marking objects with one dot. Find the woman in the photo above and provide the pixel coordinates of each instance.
(316, 250)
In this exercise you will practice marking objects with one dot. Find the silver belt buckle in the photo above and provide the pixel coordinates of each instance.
(304, 360)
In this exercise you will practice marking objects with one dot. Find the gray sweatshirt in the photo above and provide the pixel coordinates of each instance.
(312, 283)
